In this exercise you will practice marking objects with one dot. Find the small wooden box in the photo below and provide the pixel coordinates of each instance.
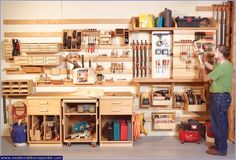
(163, 120)
(158, 99)
(195, 107)
(32, 69)
(178, 104)
(145, 96)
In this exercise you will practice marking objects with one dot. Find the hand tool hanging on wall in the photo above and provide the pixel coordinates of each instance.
(141, 58)
(221, 24)
(137, 59)
(134, 49)
(222, 15)
(145, 58)
(16, 47)
(82, 61)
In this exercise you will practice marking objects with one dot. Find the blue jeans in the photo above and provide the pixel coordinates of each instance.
(220, 103)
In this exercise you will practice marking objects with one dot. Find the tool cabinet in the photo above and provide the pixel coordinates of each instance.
(76, 112)
(44, 122)
(114, 109)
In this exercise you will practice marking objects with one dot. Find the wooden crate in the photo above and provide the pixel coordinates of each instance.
(178, 105)
(195, 107)
(75, 37)
(163, 120)
(160, 100)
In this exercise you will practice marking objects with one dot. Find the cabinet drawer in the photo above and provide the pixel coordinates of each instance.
(53, 103)
(116, 106)
(38, 58)
(45, 110)
(38, 62)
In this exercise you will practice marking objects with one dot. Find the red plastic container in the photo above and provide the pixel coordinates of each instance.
(123, 130)
(189, 136)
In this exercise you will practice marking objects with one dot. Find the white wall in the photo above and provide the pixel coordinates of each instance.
(84, 10)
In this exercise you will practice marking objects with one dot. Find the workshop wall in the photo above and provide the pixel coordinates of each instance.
(84, 10)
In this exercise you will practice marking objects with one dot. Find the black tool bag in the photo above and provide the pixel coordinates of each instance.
(188, 21)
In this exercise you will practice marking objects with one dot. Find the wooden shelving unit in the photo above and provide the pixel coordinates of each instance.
(74, 118)
(159, 80)
(44, 122)
(17, 87)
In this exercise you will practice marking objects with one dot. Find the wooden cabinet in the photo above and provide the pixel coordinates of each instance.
(80, 121)
(45, 60)
(44, 121)
(31, 48)
(115, 119)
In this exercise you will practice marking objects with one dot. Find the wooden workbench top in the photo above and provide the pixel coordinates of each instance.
(69, 95)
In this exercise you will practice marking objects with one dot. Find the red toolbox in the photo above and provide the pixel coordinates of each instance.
(123, 130)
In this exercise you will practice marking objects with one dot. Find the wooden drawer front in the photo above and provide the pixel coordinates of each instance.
(52, 58)
(44, 110)
(20, 58)
(38, 58)
(38, 62)
(52, 63)
(21, 62)
(44, 106)
(116, 106)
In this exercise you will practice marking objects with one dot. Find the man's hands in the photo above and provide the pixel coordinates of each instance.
(201, 67)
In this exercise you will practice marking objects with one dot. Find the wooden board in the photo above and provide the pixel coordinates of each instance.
(64, 21)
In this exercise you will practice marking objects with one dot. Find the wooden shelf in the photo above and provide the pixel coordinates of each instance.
(70, 84)
(107, 71)
(157, 80)
(114, 47)
(138, 29)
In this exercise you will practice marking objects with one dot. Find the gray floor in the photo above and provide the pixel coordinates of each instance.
(144, 148)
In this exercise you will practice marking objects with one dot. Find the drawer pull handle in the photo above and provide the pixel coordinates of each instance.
(115, 109)
(116, 102)
(43, 110)
(43, 103)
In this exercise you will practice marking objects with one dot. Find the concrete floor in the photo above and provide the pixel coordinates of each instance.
(144, 148)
